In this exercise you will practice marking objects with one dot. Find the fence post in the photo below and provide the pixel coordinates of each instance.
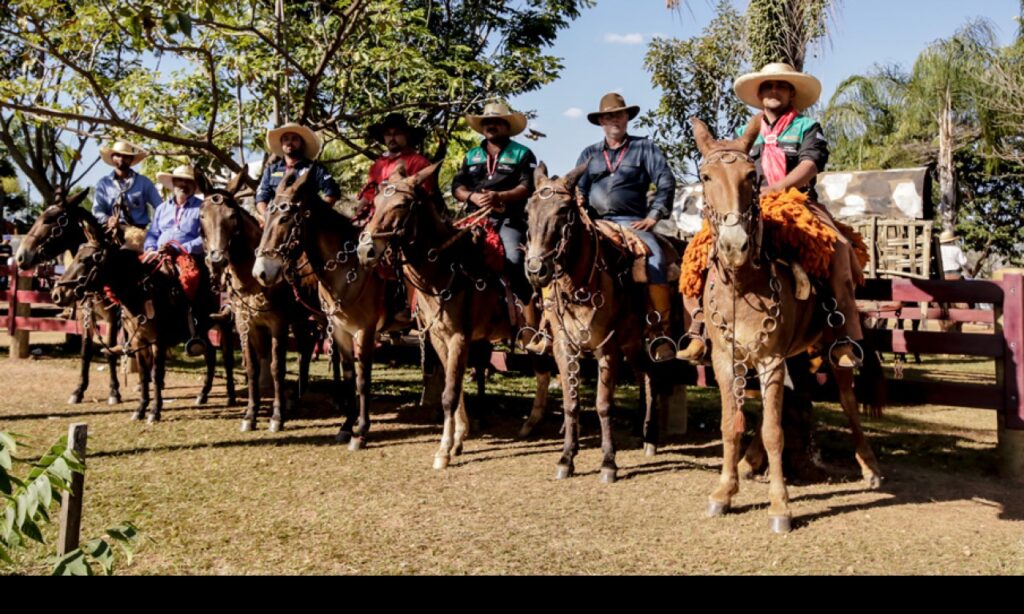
(71, 504)
(19, 338)
(1011, 418)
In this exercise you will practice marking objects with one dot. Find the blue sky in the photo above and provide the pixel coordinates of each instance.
(603, 51)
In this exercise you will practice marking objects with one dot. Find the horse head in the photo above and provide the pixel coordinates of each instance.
(281, 243)
(220, 220)
(57, 230)
(87, 272)
(394, 217)
(552, 213)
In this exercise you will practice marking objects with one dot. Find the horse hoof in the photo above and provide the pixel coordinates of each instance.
(716, 509)
(343, 437)
(275, 426)
(357, 444)
(608, 475)
(440, 463)
(74, 399)
(247, 426)
(781, 524)
(153, 418)
(650, 450)
(138, 415)
(524, 432)
(873, 482)
(564, 472)
(114, 400)
(201, 399)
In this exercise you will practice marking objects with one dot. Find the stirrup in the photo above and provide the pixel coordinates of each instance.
(661, 349)
(686, 354)
(195, 347)
(856, 359)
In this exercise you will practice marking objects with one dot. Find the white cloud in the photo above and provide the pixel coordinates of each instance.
(573, 113)
(633, 38)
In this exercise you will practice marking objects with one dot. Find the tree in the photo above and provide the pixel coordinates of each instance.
(695, 77)
(783, 30)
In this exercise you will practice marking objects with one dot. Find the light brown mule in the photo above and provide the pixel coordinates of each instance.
(458, 300)
(755, 321)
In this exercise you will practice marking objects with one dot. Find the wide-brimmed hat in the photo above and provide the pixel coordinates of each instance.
(497, 110)
(414, 134)
(124, 148)
(311, 143)
(808, 89)
(947, 236)
(612, 103)
(182, 172)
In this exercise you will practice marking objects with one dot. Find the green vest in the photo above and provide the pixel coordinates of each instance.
(512, 155)
(794, 133)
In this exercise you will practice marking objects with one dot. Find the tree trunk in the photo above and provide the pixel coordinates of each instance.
(947, 172)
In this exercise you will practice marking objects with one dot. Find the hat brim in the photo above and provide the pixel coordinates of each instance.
(107, 155)
(415, 134)
(167, 179)
(516, 121)
(311, 144)
(595, 117)
(808, 88)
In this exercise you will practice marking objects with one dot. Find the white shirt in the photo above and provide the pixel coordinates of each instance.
(953, 259)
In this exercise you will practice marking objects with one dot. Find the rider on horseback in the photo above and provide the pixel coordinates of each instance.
(120, 198)
(789, 153)
(296, 148)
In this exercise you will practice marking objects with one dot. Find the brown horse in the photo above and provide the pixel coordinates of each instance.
(300, 222)
(458, 300)
(756, 321)
(593, 306)
(155, 312)
(262, 315)
(60, 228)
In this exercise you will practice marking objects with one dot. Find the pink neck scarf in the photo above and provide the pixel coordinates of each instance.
(773, 159)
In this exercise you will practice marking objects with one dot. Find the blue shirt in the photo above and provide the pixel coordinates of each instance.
(623, 193)
(274, 174)
(173, 223)
(139, 193)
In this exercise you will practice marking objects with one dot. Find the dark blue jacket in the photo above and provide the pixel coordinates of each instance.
(624, 192)
(274, 173)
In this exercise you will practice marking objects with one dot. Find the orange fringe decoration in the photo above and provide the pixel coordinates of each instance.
(188, 275)
(796, 234)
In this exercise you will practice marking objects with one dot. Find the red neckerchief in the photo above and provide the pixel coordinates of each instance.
(773, 159)
(618, 159)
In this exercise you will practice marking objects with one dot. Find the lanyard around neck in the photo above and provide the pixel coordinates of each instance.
(618, 159)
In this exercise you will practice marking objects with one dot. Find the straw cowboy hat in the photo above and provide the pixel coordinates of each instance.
(497, 110)
(182, 172)
(947, 236)
(311, 143)
(808, 89)
(612, 103)
(124, 148)
(414, 134)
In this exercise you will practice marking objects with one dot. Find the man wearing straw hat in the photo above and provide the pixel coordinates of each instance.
(498, 175)
(954, 262)
(620, 169)
(789, 153)
(295, 147)
(120, 198)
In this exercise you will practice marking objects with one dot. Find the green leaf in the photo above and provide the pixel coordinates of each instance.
(100, 550)
(31, 530)
(44, 490)
(60, 469)
(185, 24)
(7, 528)
(5, 460)
(73, 564)
(5, 483)
(5, 557)
(170, 24)
(7, 440)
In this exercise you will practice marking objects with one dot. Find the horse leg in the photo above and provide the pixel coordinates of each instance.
(655, 406)
(114, 398)
(278, 357)
(728, 483)
(772, 378)
(753, 458)
(865, 456)
(607, 373)
(443, 455)
(458, 356)
(343, 345)
(253, 348)
(571, 409)
(144, 360)
(227, 352)
(540, 398)
(159, 368)
(210, 357)
(305, 342)
(364, 370)
(83, 376)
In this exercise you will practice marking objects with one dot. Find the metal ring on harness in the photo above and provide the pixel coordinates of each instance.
(331, 265)
(775, 284)
(775, 311)
(717, 319)
(433, 254)
(351, 276)
(62, 221)
(594, 301)
(841, 318)
(769, 325)
(648, 318)
(365, 238)
(830, 304)
(582, 295)
(736, 370)
(480, 285)
(546, 193)
(445, 295)
(573, 368)
(56, 232)
(389, 190)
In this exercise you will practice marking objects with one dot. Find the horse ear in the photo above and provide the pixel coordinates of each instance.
(702, 135)
(573, 176)
(76, 200)
(424, 174)
(93, 234)
(541, 172)
(236, 183)
(745, 142)
(399, 173)
(203, 185)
